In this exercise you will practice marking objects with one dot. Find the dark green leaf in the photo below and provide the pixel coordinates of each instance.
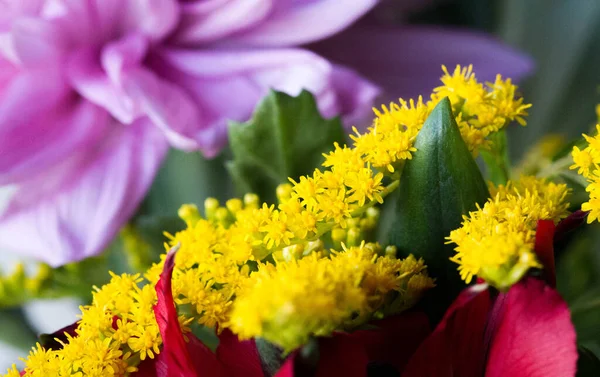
(271, 356)
(438, 186)
(285, 138)
(588, 364)
(15, 330)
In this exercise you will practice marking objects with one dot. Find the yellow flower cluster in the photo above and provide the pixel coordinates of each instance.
(480, 110)
(288, 303)
(233, 248)
(587, 163)
(496, 242)
(118, 324)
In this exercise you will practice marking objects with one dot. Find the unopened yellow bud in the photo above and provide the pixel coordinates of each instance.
(222, 215)
(210, 207)
(293, 252)
(251, 200)
(284, 192)
(391, 251)
(355, 237)
(338, 236)
(234, 205)
(189, 213)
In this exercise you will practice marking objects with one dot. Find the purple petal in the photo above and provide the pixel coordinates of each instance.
(120, 84)
(96, 21)
(406, 61)
(95, 199)
(153, 18)
(204, 21)
(100, 80)
(38, 42)
(212, 77)
(41, 124)
(295, 22)
(355, 96)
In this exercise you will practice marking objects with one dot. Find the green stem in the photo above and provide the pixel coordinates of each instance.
(575, 309)
(557, 167)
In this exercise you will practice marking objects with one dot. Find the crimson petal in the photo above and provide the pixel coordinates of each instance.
(238, 358)
(174, 360)
(535, 337)
(455, 348)
(544, 248)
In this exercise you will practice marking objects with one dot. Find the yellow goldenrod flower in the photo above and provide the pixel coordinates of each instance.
(315, 296)
(496, 242)
(587, 162)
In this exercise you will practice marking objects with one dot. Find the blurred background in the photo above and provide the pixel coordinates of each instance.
(563, 39)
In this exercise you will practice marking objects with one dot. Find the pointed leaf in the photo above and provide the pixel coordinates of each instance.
(438, 186)
(285, 138)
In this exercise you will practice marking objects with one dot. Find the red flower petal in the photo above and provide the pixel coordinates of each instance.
(536, 337)
(544, 248)
(456, 347)
(174, 360)
(238, 358)
(569, 224)
(395, 340)
(342, 355)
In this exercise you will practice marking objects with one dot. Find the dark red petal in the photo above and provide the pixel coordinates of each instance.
(238, 358)
(395, 339)
(174, 358)
(205, 362)
(456, 347)
(342, 355)
(569, 224)
(51, 341)
(544, 248)
(536, 337)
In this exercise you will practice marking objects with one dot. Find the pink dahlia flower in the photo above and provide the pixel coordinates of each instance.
(93, 93)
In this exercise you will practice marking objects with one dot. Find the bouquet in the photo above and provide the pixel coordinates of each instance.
(380, 253)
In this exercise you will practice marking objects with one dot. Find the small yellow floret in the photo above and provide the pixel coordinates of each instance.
(496, 241)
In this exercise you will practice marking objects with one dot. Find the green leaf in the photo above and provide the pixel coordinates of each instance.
(438, 186)
(271, 356)
(15, 330)
(588, 364)
(496, 159)
(285, 138)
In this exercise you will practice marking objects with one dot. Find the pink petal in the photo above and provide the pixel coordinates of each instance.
(295, 22)
(456, 347)
(238, 358)
(100, 80)
(207, 20)
(119, 83)
(41, 124)
(536, 337)
(98, 190)
(406, 61)
(211, 77)
(544, 249)
(38, 42)
(153, 18)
